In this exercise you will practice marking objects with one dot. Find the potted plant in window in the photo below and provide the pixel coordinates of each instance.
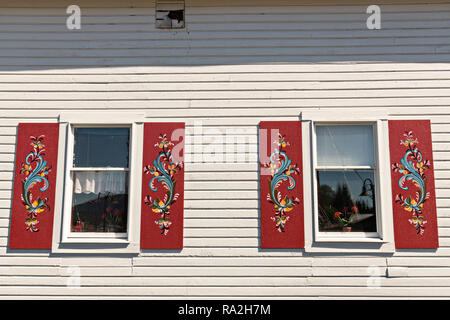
(113, 219)
(344, 218)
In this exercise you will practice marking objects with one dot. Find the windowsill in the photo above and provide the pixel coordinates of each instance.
(349, 239)
(88, 240)
(350, 245)
(96, 246)
(345, 237)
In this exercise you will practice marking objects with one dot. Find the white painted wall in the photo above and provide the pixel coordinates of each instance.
(230, 68)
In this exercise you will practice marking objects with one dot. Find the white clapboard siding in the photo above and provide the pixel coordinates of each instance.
(234, 65)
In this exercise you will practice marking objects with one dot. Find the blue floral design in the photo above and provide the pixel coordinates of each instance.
(35, 170)
(282, 170)
(163, 171)
(412, 167)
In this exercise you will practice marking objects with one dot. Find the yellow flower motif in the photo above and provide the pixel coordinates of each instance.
(420, 167)
(288, 171)
(27, 169)
(30, 222)
(34, 207)
(413, 204)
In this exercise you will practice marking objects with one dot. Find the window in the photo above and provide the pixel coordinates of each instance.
(169, 14)
(347, 173)
(97, 198)
(346, 180)
(99, 174)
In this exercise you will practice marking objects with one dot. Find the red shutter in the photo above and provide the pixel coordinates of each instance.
(162, 186)
(413, 191)
(281, 184)
(34, 186)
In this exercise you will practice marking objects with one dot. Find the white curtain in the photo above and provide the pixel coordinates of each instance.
(100, 181)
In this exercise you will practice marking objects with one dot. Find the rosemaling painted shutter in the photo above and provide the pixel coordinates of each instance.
(162, 186)
(281, 184)
(413, 190)
(34, 186)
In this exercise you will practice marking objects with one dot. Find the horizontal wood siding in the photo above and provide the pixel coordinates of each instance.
(232, 67)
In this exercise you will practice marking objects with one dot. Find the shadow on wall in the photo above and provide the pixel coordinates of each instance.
(290, 35)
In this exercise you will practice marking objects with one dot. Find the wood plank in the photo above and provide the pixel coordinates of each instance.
(222, 262)
(138, 281)
(225, 271)
(231, 76)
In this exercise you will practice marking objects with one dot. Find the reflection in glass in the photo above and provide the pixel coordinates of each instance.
(346, 201)
(100, 201)
(101, 147)
(345, 145)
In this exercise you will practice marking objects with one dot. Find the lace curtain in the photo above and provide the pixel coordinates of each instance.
(100, 181)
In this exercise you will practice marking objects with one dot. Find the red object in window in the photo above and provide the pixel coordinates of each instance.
(34, 186)
(281, 184)
(79, 226)
(413, 189)
(163, 186)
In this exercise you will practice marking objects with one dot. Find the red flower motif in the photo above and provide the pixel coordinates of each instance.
(337, 214)
(79, 226)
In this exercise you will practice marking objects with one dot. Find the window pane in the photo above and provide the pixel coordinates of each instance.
(100, 201)
(350, 145)
(346, 199)
(101, 147)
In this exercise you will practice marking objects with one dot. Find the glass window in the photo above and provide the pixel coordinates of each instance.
(345, 174)
(341, 145)
(100, 180)
(101, 147)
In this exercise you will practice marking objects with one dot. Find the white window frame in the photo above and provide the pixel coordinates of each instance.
(91, 242)
(109, 237)
(316, 241)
